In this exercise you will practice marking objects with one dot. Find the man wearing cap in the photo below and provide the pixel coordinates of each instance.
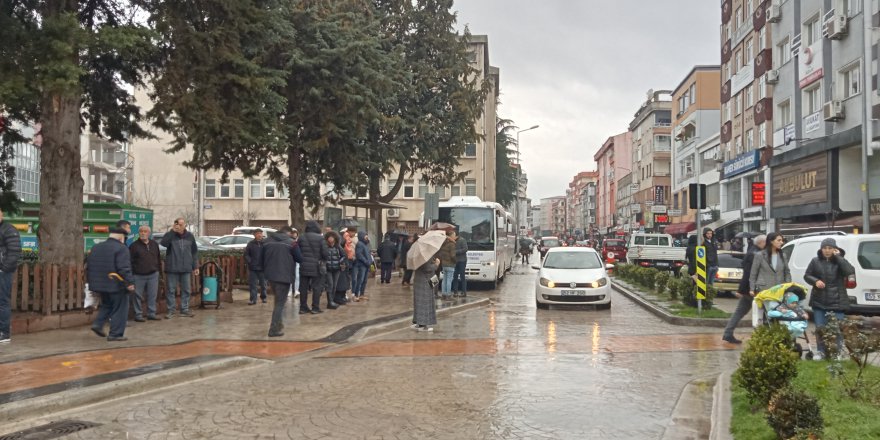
(827, 274)
(108, 272)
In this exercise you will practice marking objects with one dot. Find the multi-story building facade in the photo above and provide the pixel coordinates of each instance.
(821, 102)
(548, 220)
(106, 169)
(588, 202)
(27, 166)
(651, 158)
(575, 203)
(613, 160)
(625, 207)
(696, 109)
(478, 161)
(746, 111)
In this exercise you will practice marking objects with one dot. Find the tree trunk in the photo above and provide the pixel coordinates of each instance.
(295, 188)
(61, 185)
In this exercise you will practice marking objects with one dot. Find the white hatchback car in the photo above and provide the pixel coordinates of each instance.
(862, 251)
(572, 276)
(237, 241)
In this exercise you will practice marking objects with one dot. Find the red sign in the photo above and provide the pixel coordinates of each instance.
(758, 193)
(661, 219)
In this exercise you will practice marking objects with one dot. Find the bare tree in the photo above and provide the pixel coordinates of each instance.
(246, 216)
(147, 193)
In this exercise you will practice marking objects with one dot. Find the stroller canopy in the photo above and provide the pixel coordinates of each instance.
(777, 293)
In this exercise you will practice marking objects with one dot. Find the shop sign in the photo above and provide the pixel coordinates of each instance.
(674, 212)
(658, 194)
(658, 209)
(813, 122)
(802, 182)
(635, 209)
(754, 213)
(661, 219)
(759, 193)
(741, 164)
(810, 59)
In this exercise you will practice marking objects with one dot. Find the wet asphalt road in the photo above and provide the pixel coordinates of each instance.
(506, 371)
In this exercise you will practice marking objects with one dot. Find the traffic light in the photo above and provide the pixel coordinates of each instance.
(692, 196)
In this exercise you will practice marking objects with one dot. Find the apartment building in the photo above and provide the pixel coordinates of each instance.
(588, 202)
(549, 217)
(612, 160)
(576, 204)
(823, 97)
(626, 209)
(651, 158)
(478, 161)
(696, 105)
(746, 113)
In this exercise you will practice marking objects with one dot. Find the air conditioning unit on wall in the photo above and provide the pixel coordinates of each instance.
(771, 77)
(836, 27)
(833, 111)
(774, 13)
(392, 213)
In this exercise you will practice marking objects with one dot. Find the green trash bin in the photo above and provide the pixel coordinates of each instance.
(210, 285)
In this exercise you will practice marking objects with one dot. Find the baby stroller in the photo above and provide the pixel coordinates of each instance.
(781, 304)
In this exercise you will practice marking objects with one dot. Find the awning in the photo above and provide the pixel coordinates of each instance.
(680, 228)
(846, 224)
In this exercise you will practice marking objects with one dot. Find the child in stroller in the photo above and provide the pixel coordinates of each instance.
(782, 304)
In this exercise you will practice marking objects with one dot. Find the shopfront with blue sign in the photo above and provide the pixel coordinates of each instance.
(741, 164)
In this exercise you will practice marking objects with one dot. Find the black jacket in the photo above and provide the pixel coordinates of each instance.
(833, 272)
(145, 259)
(253, 255)
(107, 257)
(403, 251)
(747, 271)
(181, 252)
(387, 251)
(711, 252)
(313, 248)
(690, 254)
(461, 249)
(10, 247)
(280, 253)
(335, 257)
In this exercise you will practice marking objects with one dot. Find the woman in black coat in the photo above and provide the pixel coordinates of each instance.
(827, 274)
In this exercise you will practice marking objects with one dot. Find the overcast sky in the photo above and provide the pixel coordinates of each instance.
(581, 68)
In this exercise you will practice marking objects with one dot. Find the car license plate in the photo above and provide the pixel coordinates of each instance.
(574, 293)
(662, 264)
(872, 296)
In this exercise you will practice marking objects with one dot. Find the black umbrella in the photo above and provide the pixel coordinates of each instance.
(399, 232)
(346, 223)
(743, 235)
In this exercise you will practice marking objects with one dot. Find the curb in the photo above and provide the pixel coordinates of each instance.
(402, 323)
(688, 419)
(670, 318)
(20, 410)
(721, 408)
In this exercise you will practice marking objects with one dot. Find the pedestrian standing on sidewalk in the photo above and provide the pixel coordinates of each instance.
(711, 255)
(108, 272)
(448, 261)
(181, 262)
(253, 256)
(145, 264)
(424, 307)
(459, 277)
(280, 256)
(770, 266)
(314, 256)
(827, 273)
(363, 260)
(407, 271)
(744, 305)
(10, 254)
(349, 244)
(335, 259)
(387, 254)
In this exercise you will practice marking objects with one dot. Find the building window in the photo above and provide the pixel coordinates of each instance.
(256, 189)
(734, 195)
(749, 56)
(738, 102)
(748, 97)
(762, 89)
(739, 60)
(210, 188)
(470, 187)
(725, 73)
(391, 183)
(739, 17)
(784, 117)
(739, 146)
(693, 93)
(441, 191)
(224, 190)
(408, 189)
(850, 7)
(725, 109)
(456, 191)
(762, 38)
(762, 135)
(238, 188)
(750, 140)
(850, 80)
(813, 99)
(270, 189)
(282, 192)
(423, 188)
(470, 150)
(783, 52)
(813, 30)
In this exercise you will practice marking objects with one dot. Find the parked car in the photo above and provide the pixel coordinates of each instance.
(547, 243)
(655, 250)
(206, 244)
(572, 275)
(730, 271)
(233, 241)
(862, 251)
(249, 230)
(614, 246)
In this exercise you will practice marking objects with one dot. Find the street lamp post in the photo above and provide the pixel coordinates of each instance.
(518, 178)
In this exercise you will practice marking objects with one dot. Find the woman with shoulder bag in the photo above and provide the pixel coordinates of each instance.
(769, 267)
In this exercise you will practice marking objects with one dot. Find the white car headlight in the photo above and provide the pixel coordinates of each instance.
(547, 283)
(601, 283)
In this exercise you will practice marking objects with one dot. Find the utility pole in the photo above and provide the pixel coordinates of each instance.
(516, 207)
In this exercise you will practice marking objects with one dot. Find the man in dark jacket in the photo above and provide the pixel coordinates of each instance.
(10, 253)
(253, 256)
(387, 254)
(459, 278)
(145, 263)
(181, 260)
(744, 305)
(108, 272)
(407, 271)
(314, 255)
(711, 255)
(827, 273)
(279, 258)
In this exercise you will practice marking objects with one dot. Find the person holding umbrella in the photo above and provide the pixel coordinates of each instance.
(422, 258)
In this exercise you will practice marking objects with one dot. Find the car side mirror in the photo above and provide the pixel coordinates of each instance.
(536, 267)
(609, 266)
